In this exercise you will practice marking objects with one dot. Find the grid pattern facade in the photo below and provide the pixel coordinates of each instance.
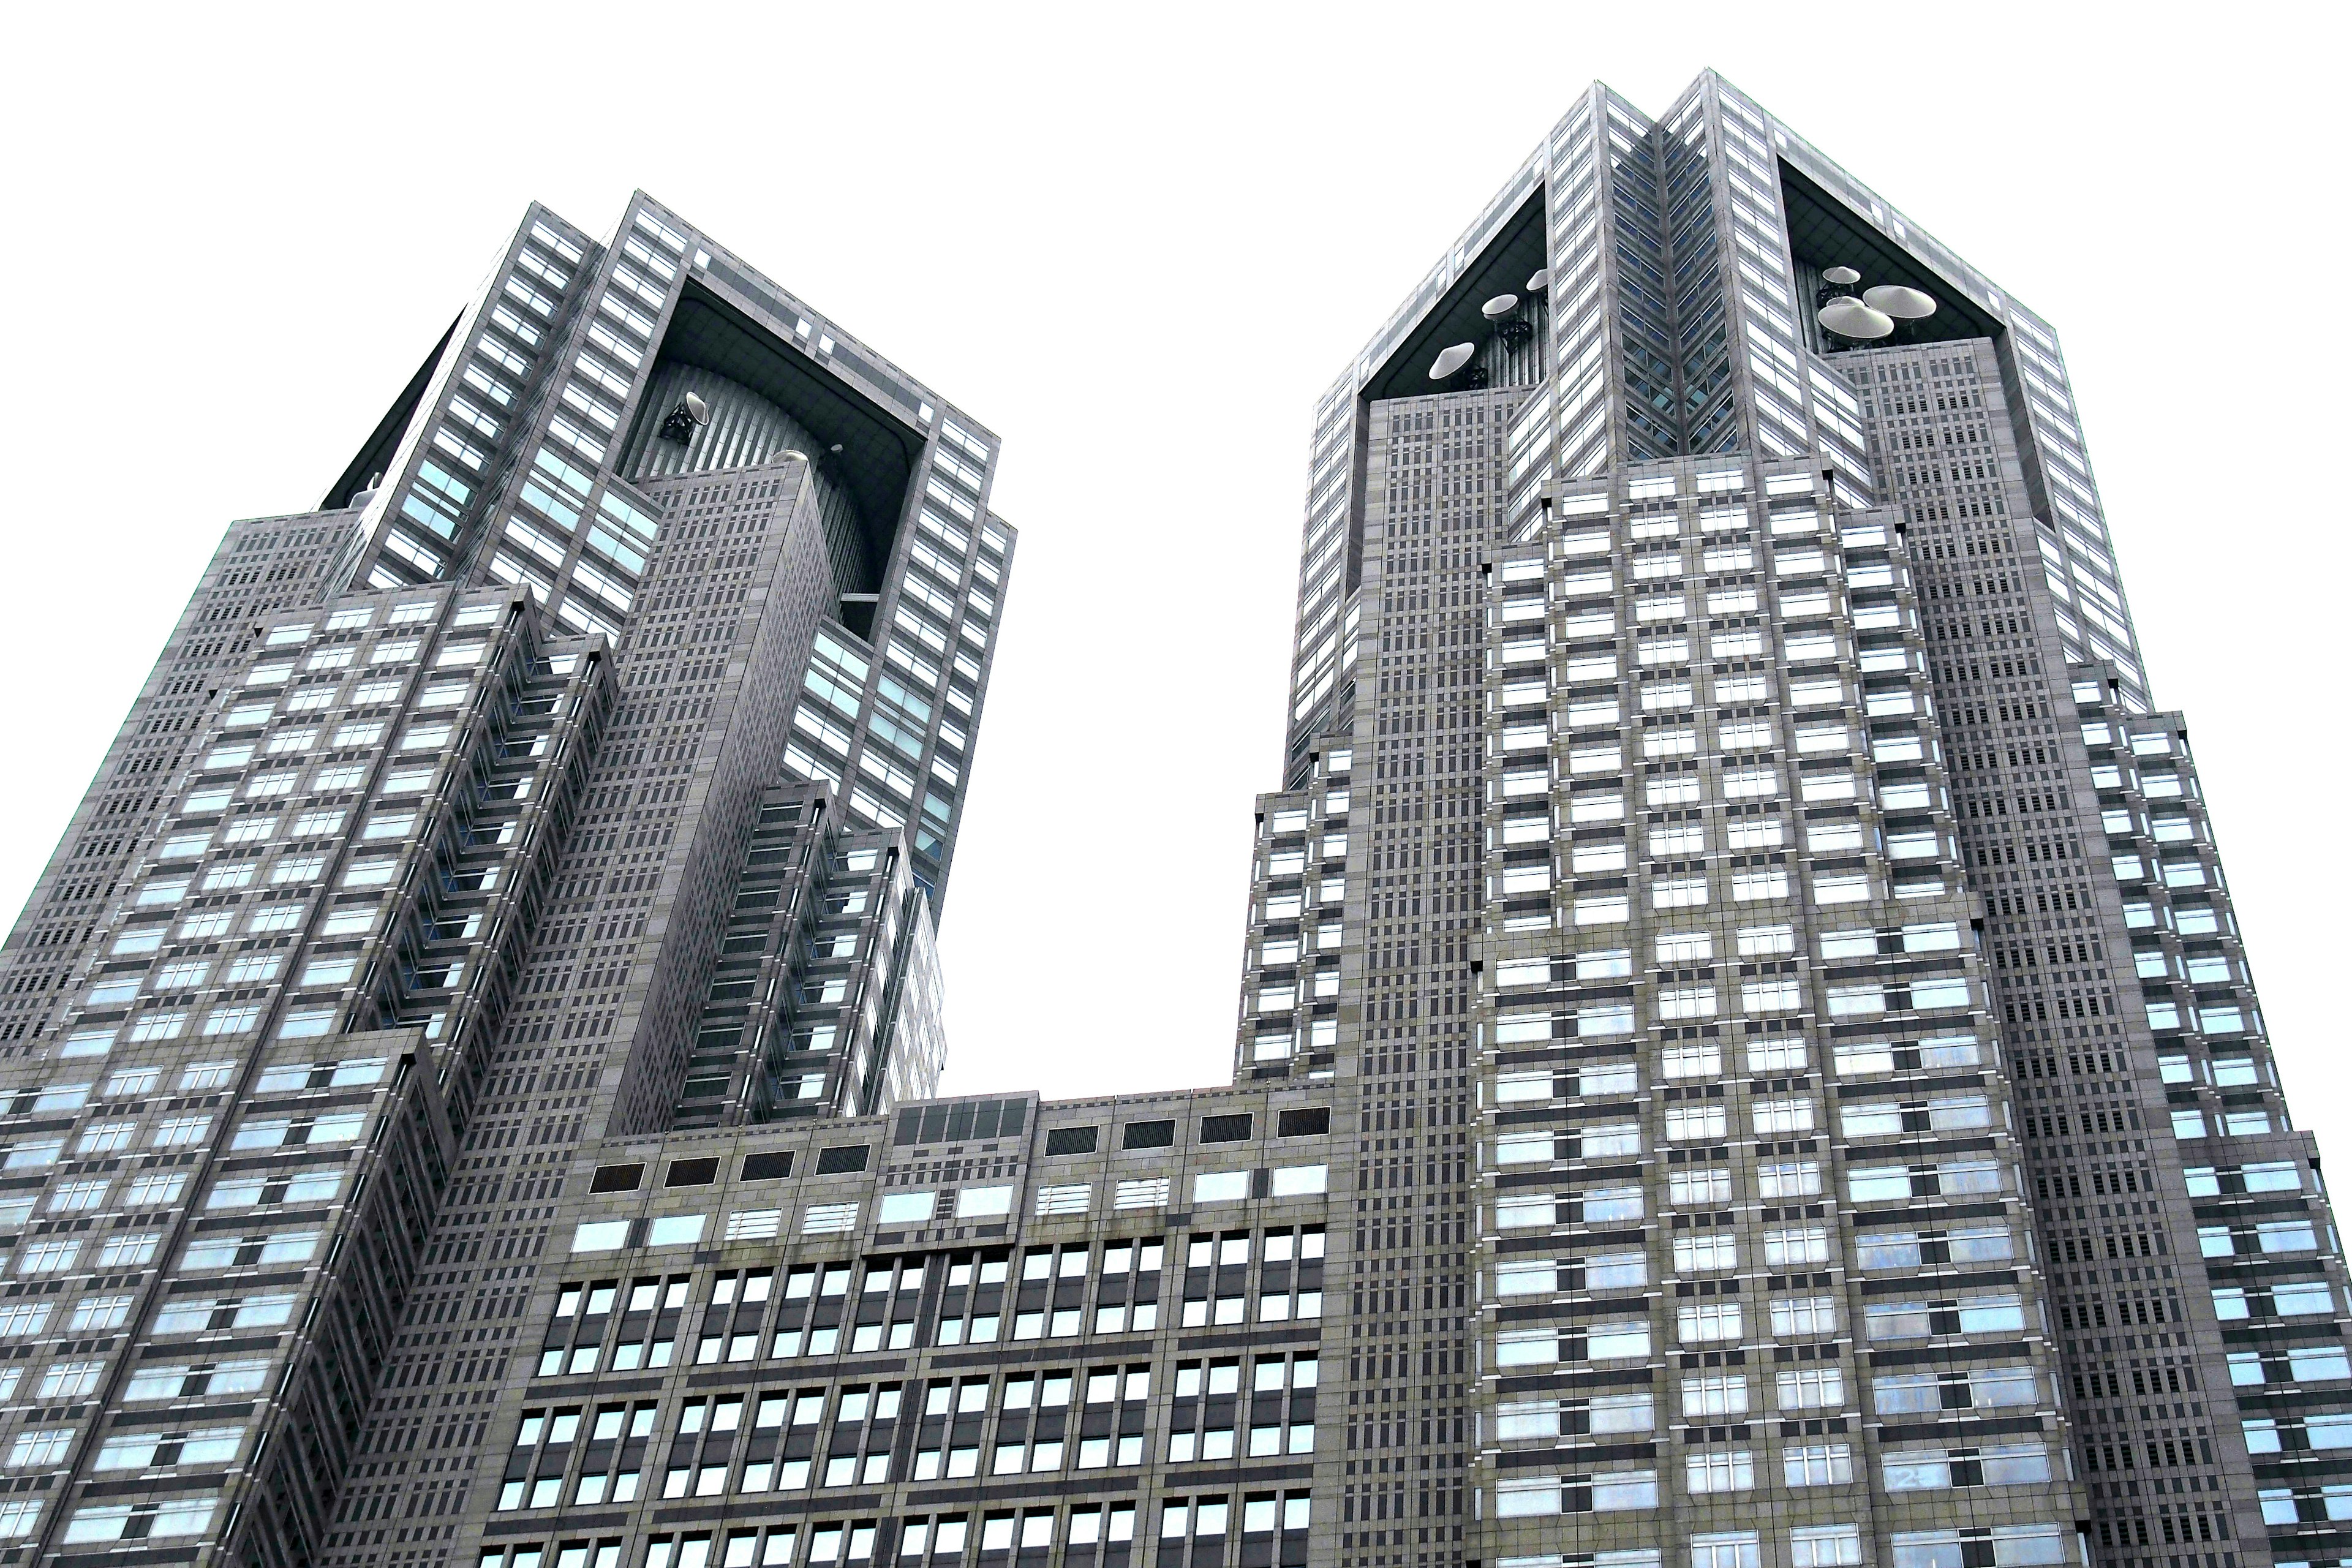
(1827, 638)
(1080, 1332)
(263, 566)
(1745, 1054)
(414, 870)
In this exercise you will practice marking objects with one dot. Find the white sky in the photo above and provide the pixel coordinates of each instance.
(1139, 246)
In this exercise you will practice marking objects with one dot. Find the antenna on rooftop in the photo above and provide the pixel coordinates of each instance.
(1509, 324)
(1873, 315)
(1452, 360)
(681, 422)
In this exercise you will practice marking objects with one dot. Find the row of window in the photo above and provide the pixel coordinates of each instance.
(1876, 1252)
(1822, 1545)
(1703, 1061)
(1085, 1531)
(1208, 1187)
(1023, 1423)
(977, 1301)
(1616, 1206)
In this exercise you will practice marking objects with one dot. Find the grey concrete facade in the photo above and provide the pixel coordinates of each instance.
(1741, 617)
(1744, 1057)
(471, 770)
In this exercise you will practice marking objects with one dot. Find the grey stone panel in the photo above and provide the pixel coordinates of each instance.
(2061, 850)
(262, 565)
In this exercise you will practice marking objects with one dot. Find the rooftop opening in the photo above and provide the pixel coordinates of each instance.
(877, 450)
(1514, 255)
(1824, 232)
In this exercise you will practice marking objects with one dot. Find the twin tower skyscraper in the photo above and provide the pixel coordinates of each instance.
(1745, 1057)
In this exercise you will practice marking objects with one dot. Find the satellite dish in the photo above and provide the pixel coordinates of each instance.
(834, 447)
(1850, 318)
(1500, 306)
(1452, 360)
(1541, 281)
(686, 415)
(1902, 304)
(792, 455)
(1840, 275)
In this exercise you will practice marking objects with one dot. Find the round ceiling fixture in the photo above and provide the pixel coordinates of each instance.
(1841, 275)
(1452, 360)
(1902, 303)
(1541, 281)
(1501, 305)
(1850, 318)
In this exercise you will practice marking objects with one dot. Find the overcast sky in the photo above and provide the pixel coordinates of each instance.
(1139, 249)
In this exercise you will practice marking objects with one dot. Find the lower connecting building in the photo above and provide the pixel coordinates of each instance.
(1745, 1057)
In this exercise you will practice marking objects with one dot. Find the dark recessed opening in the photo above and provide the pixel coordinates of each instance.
(1308, 1121)
(1510, 258)
(1072, 1139)
(616, 1178)
(1148, 1135)
(1232, 1129)
(843, 1157)
(769, 1166)
(1824, 232)
(857, 613)
(699, 1173)
(878, 449)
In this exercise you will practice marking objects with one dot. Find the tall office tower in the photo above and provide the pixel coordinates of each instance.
(1721, 771)
(471, 1099)
(589, 764)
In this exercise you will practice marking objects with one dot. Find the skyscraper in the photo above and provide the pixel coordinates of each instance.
(1744, 1055)
(1722, 773)
(589, 764)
